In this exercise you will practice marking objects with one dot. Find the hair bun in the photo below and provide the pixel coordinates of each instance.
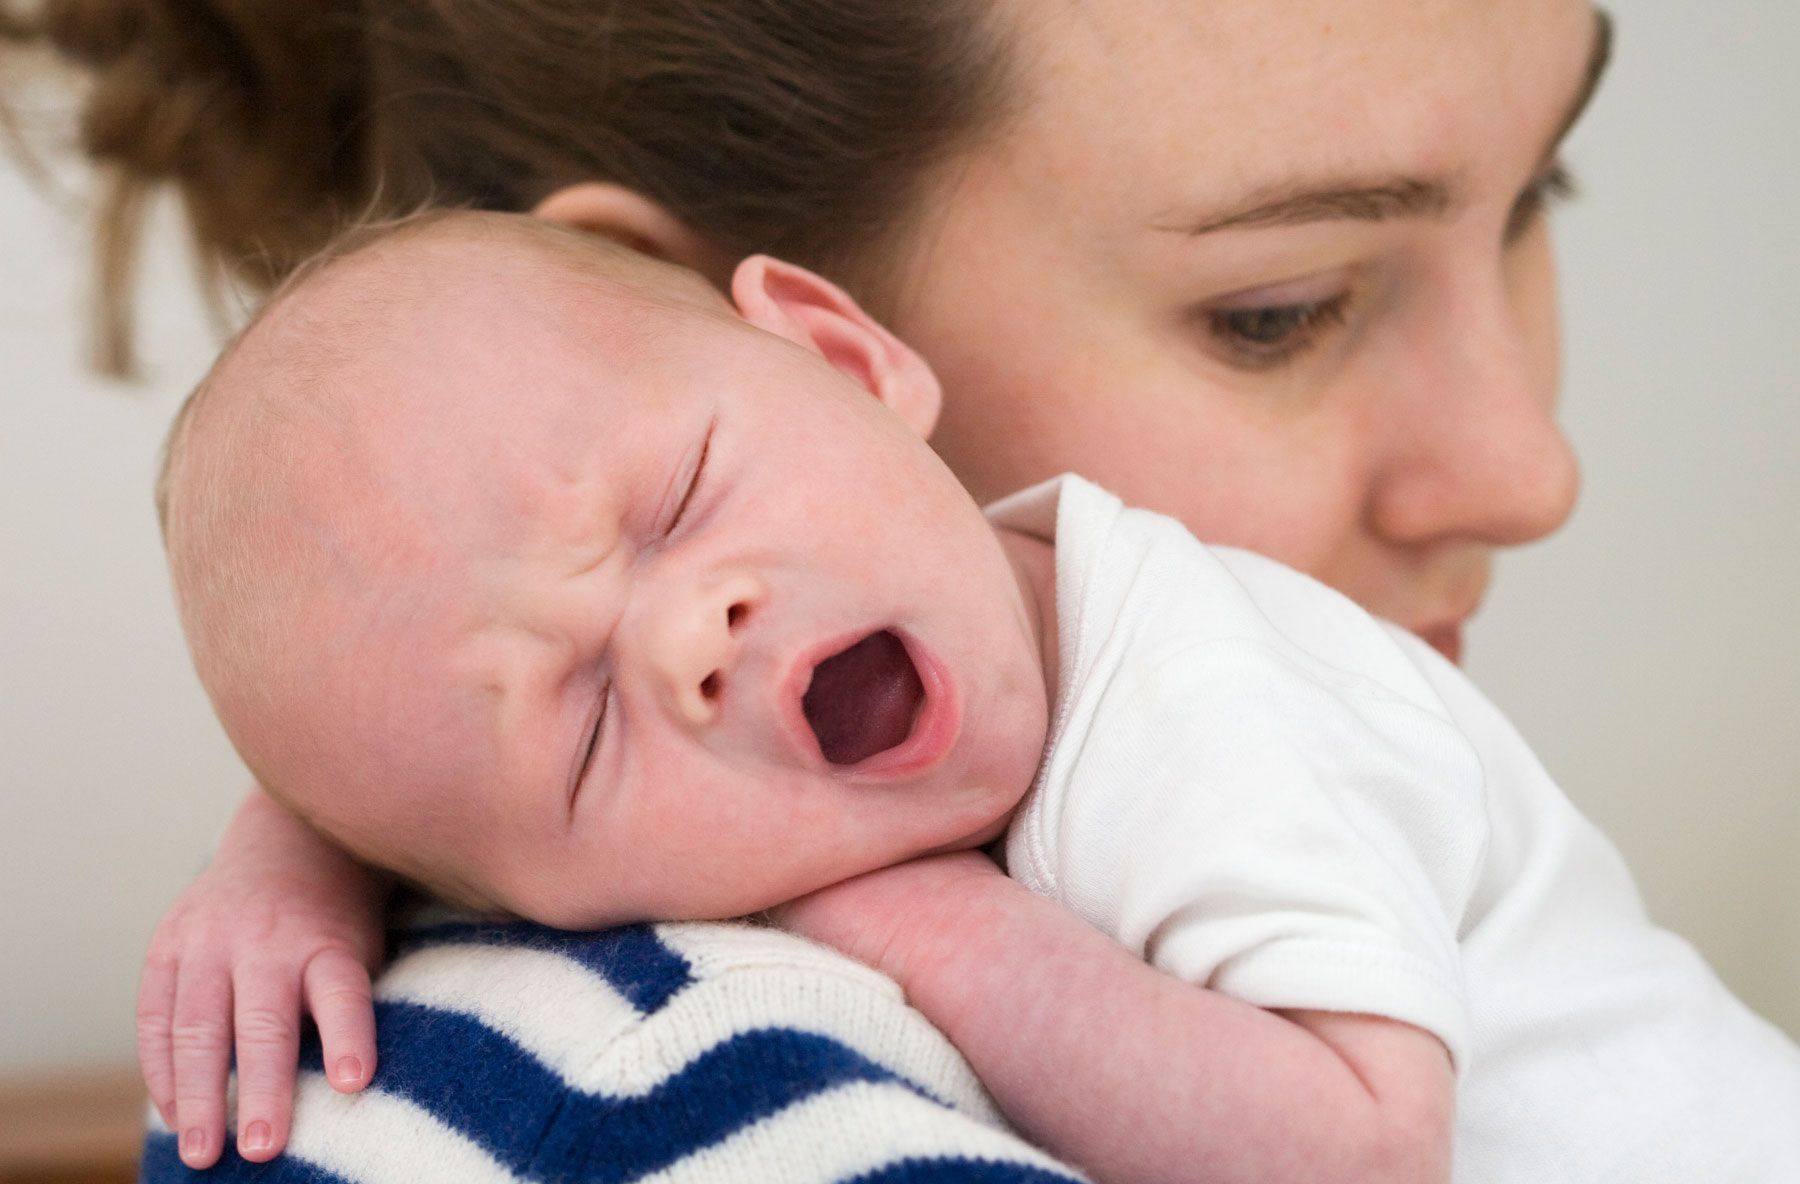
(246, 106)
(89, 32)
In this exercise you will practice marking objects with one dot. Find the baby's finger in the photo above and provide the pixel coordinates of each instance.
(202, 1054)
(155, 1018)
(267, 1015)
(338, 995)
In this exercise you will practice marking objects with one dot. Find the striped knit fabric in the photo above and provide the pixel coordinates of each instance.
(703, 1053)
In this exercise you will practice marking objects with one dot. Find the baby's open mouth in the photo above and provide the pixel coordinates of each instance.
(863, 700)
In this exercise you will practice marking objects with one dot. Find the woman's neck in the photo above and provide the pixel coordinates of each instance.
(1034, 567)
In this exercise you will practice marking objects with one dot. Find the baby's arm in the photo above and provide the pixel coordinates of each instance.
(280, 921)
(1126, 1071)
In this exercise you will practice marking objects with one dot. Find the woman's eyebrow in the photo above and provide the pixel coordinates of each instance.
(1377, 201)
(1387, 198)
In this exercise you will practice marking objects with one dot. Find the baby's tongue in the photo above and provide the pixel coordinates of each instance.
(863, 700)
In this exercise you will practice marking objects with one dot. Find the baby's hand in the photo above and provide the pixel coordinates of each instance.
(280, 920)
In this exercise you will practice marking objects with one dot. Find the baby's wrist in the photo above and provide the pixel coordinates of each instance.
(960, 936)
(909, 921)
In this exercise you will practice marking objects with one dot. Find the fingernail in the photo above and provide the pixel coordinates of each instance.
(258, 1137)
(193, 1144)
(347, 1071)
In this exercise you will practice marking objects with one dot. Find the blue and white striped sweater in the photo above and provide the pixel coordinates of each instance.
(703, 1053)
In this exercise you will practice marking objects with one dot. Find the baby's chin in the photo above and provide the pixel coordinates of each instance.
(573, 912)
(985, 836)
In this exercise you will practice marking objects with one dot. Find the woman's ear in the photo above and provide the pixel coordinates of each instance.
(810, 311)
(627, 216)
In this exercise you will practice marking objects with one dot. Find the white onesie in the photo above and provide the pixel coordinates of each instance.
(1263, 790)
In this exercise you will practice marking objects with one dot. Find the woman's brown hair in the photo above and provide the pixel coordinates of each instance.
(804, 128)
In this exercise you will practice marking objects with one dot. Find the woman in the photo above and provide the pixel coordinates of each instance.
(1282, 274)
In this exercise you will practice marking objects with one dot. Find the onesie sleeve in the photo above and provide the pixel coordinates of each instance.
(1252, 818)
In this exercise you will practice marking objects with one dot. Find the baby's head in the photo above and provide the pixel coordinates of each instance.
(535, 570)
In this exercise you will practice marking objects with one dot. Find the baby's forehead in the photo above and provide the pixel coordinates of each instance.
(457, 385)
(528, 267)
(447, 288)
(418, 323)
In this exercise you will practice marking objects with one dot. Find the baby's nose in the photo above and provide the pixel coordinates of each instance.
(699, 644)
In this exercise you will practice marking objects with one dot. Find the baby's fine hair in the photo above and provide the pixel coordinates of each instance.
(352, 241)
(806, 129)
(589, 255)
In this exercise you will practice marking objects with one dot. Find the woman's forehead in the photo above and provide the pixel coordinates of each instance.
(1151, 102)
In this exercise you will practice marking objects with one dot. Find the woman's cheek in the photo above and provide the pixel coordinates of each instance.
(1010, 421)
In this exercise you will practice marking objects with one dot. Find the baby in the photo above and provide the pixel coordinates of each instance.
(533, 570)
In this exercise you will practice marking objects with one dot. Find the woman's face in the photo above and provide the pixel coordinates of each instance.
(1281, 271)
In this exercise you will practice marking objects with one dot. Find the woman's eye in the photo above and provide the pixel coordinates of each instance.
(1552, 187)
(1268, 335)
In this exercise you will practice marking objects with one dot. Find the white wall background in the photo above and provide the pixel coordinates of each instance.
(1651, 651)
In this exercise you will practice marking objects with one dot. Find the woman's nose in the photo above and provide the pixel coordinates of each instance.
(693, 642)
(1470, 446)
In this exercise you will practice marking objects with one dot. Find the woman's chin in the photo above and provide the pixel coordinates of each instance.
(1446, 640)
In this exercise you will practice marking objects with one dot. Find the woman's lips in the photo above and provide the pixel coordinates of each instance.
(935, 725)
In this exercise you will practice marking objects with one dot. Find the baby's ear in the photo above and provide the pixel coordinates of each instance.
(808, 310)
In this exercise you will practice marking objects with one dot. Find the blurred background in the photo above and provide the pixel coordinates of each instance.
(1650, 651)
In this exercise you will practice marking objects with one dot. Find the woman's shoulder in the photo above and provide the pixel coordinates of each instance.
(725, 1051)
